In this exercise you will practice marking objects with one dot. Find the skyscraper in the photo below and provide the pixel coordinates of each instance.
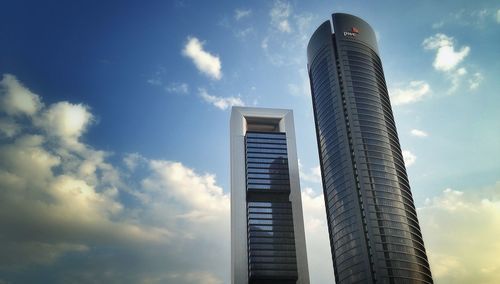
(267, 226)
(374, 232)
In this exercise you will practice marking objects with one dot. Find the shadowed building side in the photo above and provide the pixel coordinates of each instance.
(374, 232)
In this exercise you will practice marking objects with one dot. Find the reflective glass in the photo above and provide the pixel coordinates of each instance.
(271, 242)
(362, 166)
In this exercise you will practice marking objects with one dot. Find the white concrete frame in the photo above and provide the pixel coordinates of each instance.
(239, 258)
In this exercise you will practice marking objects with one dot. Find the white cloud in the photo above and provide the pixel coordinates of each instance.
(282, 46)
(220, 102)
(15, 99)
(294, 89)
(409, 158)
(62, 211)
(42, 254)
(206, 62)
(284, 26)
(201, 197)
(243, 33)
(463, 223)
(201, 277)
(312, 175)
(172, 87)
(155, 81)
(475, 81)
(481, 14)
(241, 29)
(132, 160)
(302, 88)
(318, 245)
(470, 18)
(178, 88)
(280, 12)
(66, 121)
(456, 77)
(264, 44)
(438, 25)
(448, 60)
(446, 57)
(414, 92)
(419, 133)
(57, 200)
(8, 128)
(196, 210)
(303, 22)
(242, 13)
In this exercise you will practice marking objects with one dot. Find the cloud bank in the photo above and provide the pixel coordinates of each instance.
(461, 231)
(69, 215)
(68, 212)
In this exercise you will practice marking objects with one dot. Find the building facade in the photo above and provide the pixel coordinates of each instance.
(374, 231)
(267, 227)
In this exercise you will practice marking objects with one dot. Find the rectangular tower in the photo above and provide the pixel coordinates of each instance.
(374, 232)
(267, 227)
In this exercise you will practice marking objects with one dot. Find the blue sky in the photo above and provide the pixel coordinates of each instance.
(114, 131)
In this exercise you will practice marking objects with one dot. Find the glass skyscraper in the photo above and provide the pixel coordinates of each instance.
(374, 232)
(267, 227)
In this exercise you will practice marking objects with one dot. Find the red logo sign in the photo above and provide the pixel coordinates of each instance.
(354, 32)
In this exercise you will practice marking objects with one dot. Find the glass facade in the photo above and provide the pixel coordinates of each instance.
(271, 241)
(374, 232)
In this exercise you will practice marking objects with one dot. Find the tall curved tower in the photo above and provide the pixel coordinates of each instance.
(374, 232)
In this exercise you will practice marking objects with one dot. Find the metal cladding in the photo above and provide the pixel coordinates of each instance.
(374, 232)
